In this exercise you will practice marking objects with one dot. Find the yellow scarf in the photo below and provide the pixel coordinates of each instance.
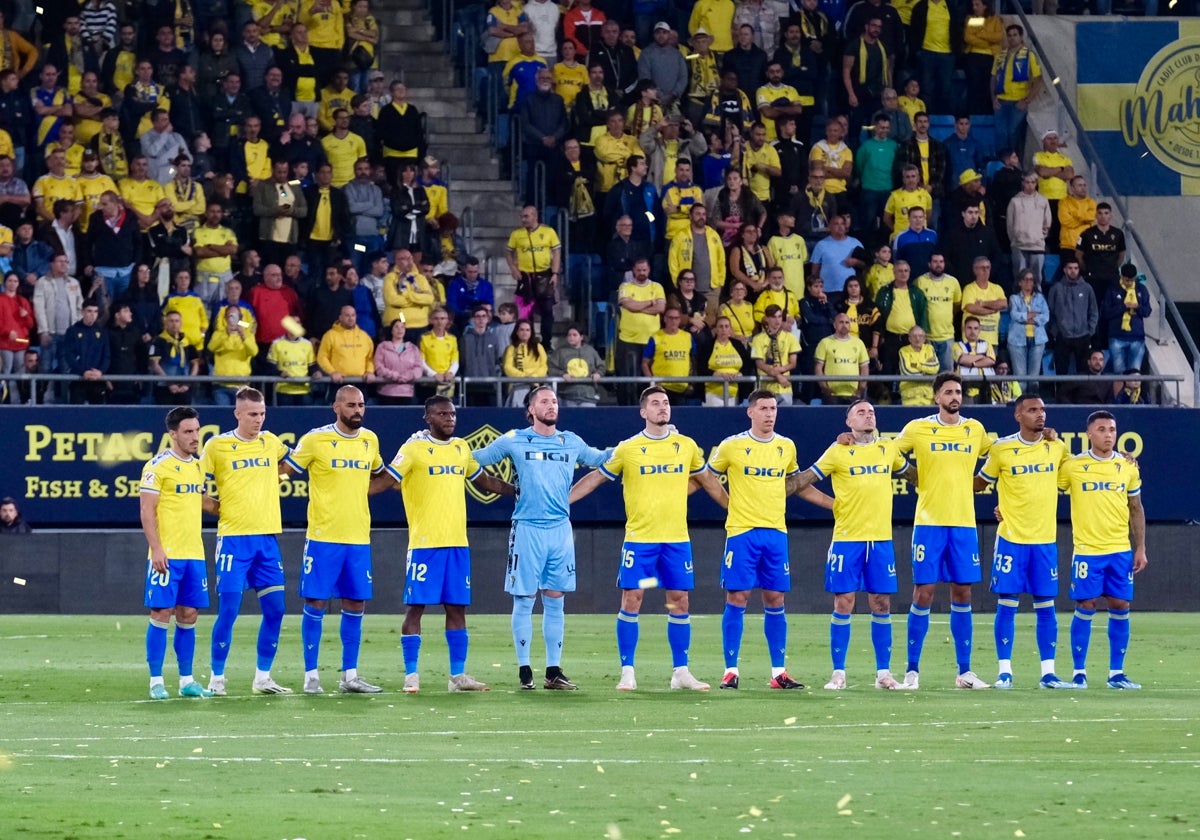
(1029, 331)
(862, 62)
(1130, 300)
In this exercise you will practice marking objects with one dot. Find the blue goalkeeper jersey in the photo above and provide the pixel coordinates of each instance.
(545, 467)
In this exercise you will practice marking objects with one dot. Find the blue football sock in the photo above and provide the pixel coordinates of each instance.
(222, 633)
(627, 636)
(351, 633)
(522, 627)
(881, 640)
(732, 621)
(1005, 626)
(185, 647)
(410, 648)
(456, 644)
(1081, 637)
(918, 629)
(272, 605)
(156, 646)
(775, 629)
(310, 635)
(1046, 629)
(839, 639)
(679, 637)
(1118, 639)
(553, 622)
(961, 630)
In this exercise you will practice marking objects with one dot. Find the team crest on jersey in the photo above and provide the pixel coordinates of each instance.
(478, 439)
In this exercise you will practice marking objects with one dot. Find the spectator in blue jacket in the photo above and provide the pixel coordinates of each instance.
(1125, 307)
(466, 291)
(87, 355)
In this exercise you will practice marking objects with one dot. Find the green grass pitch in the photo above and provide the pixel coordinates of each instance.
(85, 754)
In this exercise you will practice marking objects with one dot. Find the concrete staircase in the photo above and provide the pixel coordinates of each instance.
(408, 51)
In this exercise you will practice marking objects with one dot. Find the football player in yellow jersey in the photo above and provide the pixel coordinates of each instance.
(945, 545)
(244, 465)
(1106, 505)
(431, 469)
(861, 556)
(1025, 468)
(171, 498)
(340, 459)
(761, 472)
(658, 468)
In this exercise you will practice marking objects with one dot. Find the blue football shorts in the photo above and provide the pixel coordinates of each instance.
(861, 566)
(540, 556)
(438, 576)
(1111, 575)
(756, 559)
(183, 584)
(1025, 567)
(336, 570)
(945, 554)
(671, 563)
(248, 562)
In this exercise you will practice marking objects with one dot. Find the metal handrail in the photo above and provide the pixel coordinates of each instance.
(1166, 303)
(462, 381)
(539, 188)
(516, 144)
(468, 228)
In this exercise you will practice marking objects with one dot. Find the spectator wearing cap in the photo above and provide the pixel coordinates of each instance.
(969, 190)
(1125, 307)
(1055, 171)
(670, 142)
(664, 64)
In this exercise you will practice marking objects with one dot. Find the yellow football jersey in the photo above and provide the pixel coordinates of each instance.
(756, 472)
(339, 470)
(655, 473)
(862, 488)
(1100, 492)
(1026, 479)
(945, 457)
(179, 484)
(246, 473)
(433, 475)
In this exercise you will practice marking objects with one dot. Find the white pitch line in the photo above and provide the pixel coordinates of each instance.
(326, 761)
(709, 730)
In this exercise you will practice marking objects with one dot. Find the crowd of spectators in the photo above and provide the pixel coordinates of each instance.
(238, 190)
(824, 158)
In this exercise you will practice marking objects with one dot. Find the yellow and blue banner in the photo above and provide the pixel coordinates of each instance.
(1138, 97)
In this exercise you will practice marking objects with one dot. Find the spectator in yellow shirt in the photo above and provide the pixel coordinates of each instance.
(346, 351)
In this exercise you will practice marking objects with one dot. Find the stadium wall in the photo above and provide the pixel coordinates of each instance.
(73, 572)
